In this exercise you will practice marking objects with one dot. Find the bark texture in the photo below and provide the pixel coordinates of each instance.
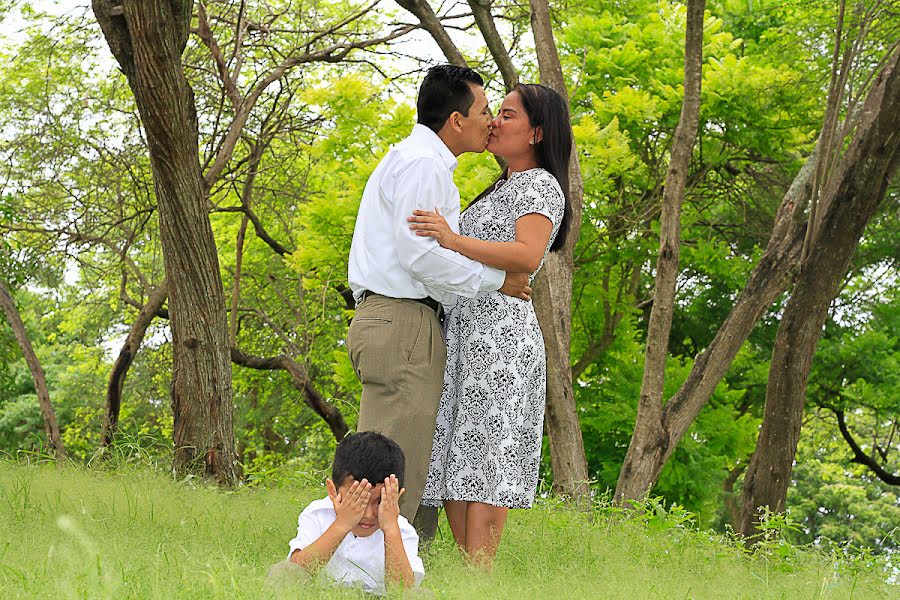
(126, 356)
(422, 10)
(481, 10)
(849, 201)
(147, 38)
(768, 280)
(51, 428)
(553, 299)
(649, 443)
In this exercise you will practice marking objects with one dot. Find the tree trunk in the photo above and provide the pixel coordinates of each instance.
(767, 282)
(432, 24)
(8, 306)
(851, 198)
(147, 38)
(553, 299)
(649, 443)
(481, 10)
(125, 358)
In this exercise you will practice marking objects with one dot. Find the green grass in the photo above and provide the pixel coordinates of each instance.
(70, 532)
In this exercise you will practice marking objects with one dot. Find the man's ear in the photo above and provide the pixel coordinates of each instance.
(332, 490)
(454, 121)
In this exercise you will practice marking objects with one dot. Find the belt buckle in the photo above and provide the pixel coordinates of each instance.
(362, 297)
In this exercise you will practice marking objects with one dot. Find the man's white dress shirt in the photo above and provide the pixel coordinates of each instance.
(358, 561)
(386, 256)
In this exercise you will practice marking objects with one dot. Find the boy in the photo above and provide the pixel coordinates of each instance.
(357, 532)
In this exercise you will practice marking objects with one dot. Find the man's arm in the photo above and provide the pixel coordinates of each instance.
(422, 185)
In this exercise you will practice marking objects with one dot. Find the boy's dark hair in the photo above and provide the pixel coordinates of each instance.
(444, 90)
(367, 455)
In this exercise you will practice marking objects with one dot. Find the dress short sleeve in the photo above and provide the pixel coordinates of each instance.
(541, 195)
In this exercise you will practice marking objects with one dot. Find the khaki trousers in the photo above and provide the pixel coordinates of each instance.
(397, 349)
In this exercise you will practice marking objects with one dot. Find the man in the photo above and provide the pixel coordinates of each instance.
(401, 280)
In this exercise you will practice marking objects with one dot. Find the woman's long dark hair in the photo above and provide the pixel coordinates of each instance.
(547, 109)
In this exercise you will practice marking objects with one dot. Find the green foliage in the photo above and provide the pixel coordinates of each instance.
(21, 424)
(359, 127)
(835, 501)
(722, 435)
(760, 99)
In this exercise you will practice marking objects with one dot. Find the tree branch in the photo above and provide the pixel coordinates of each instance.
(300, 380)
(126, 356)
(333, 54)
(432, 24)
(861, 457)
(161, 312)
(481, 9)
(8, 307)
(205, 34)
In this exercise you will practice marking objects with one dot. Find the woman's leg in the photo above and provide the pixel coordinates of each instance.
(456, 515)
(484, 526)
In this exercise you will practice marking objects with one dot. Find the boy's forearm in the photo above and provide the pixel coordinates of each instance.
(396, 563)
(320, 551)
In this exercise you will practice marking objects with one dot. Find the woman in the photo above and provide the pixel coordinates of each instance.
(487, 442)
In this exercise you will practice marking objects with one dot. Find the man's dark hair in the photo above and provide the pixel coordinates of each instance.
(444, 90)
(367, 455)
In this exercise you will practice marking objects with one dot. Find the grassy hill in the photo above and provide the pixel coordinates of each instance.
(131, 532)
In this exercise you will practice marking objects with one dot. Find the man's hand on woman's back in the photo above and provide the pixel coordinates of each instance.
(516, 286)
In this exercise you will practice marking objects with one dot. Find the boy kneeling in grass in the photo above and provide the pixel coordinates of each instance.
(357, 532)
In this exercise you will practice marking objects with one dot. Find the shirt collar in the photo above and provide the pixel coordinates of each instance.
(427, 136)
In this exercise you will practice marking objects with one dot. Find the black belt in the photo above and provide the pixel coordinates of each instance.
(427, 301)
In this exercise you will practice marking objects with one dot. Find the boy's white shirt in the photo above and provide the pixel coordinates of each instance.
(358, 561)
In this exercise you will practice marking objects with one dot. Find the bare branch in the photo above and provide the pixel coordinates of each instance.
(422, 10)
(8, 307)
(126, 357)
(861, 457)
(332, 54)
(204, 32)
(481, 9)
(300, 380)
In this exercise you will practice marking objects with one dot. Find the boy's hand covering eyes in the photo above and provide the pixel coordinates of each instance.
(389, 509)
(351, 508)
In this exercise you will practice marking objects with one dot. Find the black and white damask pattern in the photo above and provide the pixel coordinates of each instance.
(487, 443)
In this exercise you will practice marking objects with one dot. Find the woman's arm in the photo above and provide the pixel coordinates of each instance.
(521, 256)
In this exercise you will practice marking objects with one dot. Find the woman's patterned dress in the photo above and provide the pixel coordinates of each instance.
(487, 444)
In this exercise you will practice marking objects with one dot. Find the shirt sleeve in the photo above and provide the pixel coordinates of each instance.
(411, 546)
(420, 185)
(544, 197)
(309, 529)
